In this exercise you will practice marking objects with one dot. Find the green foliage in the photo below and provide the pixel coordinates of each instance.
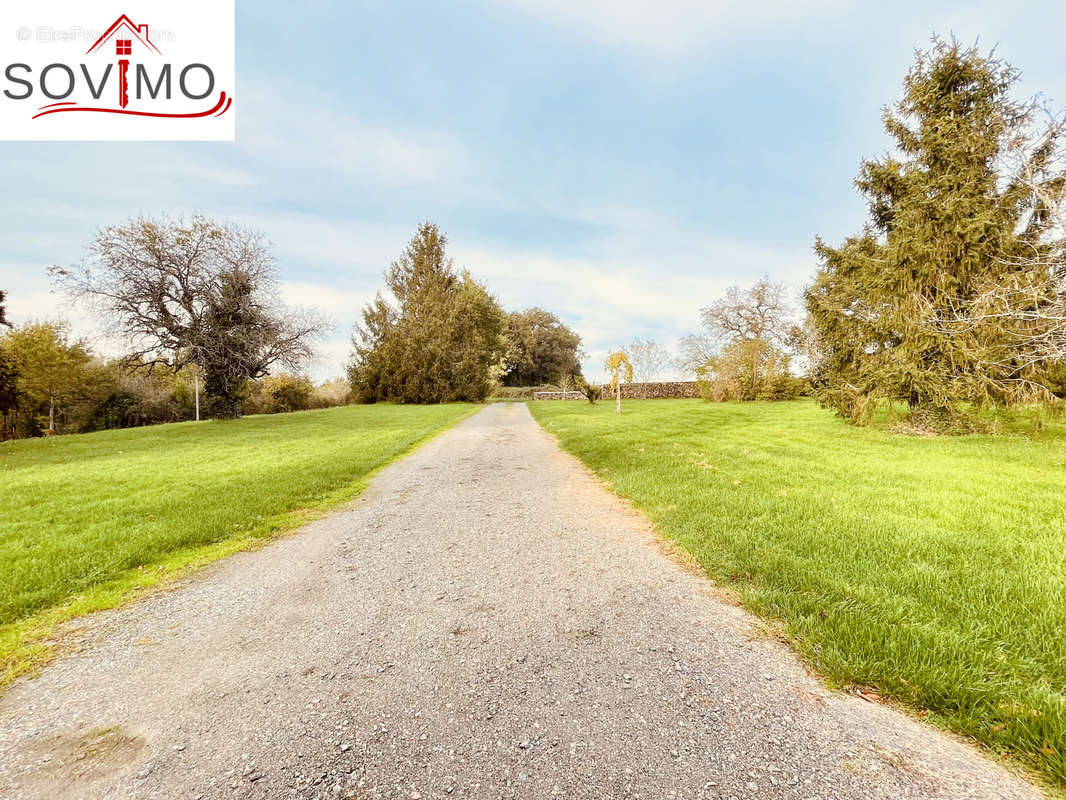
(747, 369)
(444, 341)
(79, 511)
(232, 319)
(592, 393)
(54, 378)
(927, 568)
(947, 226)
(289, 392)
(284, 392)
(201, 293)
(140, 398)
(8, 388)
(8, 377)
(512, 393)
(541, 349)
(784, 387)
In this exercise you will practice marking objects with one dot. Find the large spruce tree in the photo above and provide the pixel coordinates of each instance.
(954, 213)
(444, 339)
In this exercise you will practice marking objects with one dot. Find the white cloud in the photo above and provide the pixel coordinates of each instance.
(319, 136)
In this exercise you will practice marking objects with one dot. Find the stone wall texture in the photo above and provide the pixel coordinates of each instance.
(558, 396)
(673, 390)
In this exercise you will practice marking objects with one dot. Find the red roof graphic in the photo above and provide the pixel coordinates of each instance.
(140, 32)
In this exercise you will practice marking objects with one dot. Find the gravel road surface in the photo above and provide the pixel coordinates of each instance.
(486, 622)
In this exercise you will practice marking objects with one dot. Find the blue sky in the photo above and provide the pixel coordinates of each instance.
(619, 163)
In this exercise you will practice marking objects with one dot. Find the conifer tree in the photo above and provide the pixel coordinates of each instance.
(443, 341)
(950, 221)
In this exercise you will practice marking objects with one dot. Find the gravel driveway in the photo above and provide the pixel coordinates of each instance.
(486, 622)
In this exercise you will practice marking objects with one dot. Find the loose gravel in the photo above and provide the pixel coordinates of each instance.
(487, 622)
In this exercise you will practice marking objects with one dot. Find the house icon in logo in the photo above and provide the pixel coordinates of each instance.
(123, 26)
(124, 33)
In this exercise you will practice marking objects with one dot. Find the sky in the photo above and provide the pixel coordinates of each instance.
(618, 163)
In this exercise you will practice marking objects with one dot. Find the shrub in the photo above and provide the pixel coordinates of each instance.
(720, 390)
(592, 393)
(337, 392)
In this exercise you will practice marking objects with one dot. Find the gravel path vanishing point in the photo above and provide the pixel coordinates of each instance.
(486, 622)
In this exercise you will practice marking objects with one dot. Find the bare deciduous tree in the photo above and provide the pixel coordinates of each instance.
(696, 350)
(649, 358)
(759, 312)
(203, 293)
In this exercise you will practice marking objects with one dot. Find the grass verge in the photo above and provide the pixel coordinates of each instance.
(930, 570)
(88, 522)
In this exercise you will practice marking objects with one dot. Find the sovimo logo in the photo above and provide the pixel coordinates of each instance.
(168, 76)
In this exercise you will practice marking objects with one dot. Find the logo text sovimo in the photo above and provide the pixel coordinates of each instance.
(59, 81)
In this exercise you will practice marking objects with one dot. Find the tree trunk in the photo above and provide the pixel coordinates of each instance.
(51, 413)
(618, 396)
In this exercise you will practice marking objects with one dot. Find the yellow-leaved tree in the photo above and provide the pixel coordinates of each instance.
(620, 369)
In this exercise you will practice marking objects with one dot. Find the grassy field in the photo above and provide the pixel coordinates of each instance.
(931, 570)
(85, 520)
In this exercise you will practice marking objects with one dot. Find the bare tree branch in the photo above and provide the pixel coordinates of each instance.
(202, 293)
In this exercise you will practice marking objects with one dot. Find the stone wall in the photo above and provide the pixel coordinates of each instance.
(558, 396)
(673, 390)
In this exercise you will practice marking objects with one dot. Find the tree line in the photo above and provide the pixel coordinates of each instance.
(51, 383)
(197, 307)
(949, 303)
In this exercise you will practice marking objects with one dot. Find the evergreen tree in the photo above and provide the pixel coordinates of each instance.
(443, 342)
(9, 397)
(8, 375)
(946, 225)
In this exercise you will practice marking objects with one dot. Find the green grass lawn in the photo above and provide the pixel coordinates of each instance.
(86, 519)
(931, 569)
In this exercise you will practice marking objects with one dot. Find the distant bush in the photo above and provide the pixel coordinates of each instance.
(289, 392)
(777, 387)
(278, 394)
(337, 392)
(513, 392)
(784, 387)
(721, 390)
(750, 369)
